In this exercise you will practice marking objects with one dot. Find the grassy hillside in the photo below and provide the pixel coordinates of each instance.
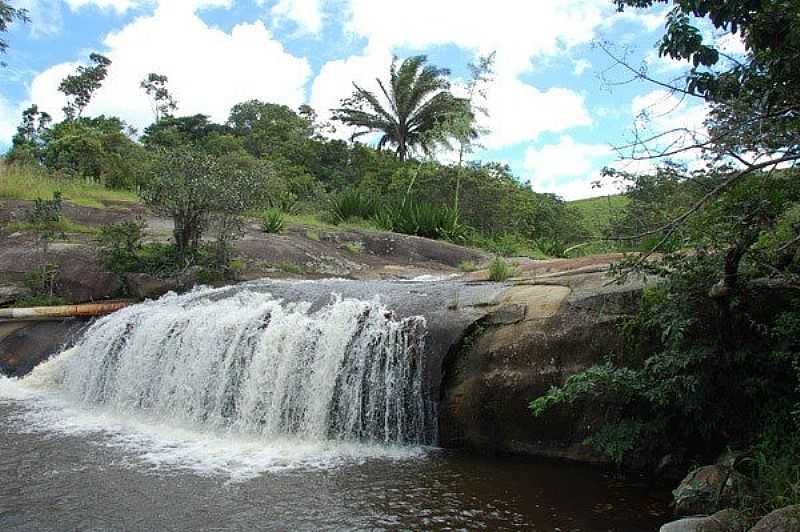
(597, 212)
(29, 183)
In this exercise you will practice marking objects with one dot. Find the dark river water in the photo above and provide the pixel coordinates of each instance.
(60, 471)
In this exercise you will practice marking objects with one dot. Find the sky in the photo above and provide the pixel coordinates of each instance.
(557, 107)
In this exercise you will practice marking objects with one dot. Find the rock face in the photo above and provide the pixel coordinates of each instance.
(706, 489)
(24, 345)
(542, 333)
(783, 520)
(723, 521)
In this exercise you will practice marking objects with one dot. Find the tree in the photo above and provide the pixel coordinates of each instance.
(81, 86)
(161, 100)
(417, 103)
(197, 191)
(27, 145)
(269, 129)
(465, 130)
(8, 15)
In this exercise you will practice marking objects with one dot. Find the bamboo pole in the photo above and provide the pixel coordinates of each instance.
(67, 311)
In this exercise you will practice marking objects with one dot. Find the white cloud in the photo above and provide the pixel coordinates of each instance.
(9, 118)
(45, 16)
(516, 30)
(117, 5)
(568, 168)
(307, 14)
(336, 78)
(678, 121)
(520, 112)
(581, 66)
(209, 70)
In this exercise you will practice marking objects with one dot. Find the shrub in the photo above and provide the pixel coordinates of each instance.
(552, 247)
(500, 270)
(272, 221)
(192, 188)
(351, 204)
(423, 219)
(467, 266)
(120, 245)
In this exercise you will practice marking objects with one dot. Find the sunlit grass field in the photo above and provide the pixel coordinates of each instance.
(29, 183)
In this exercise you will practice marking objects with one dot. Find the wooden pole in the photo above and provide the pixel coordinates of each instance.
(67, 311)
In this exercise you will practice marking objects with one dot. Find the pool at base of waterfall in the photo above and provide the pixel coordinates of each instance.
(67, 467)
(238, 409)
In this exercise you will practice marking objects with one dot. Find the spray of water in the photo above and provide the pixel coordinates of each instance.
(245, 362)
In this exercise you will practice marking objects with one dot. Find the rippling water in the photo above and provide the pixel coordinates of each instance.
(133, 475)
(232, 409)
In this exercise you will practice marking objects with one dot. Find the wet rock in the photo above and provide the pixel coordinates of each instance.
(547, 333)
(723, 521)
(783, 520)
(23, 345)
(146, 286)
(79, 277)
(708, 488)
(13, 292)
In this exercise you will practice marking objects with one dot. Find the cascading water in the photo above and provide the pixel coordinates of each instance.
(248, 362)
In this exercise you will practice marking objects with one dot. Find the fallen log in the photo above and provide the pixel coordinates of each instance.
(88, 310)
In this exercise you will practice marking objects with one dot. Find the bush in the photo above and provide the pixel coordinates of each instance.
(272, 221)
(423, 219)
(196, 190)
(351, 204)
(552, 247)
(505, 245)
(120, 246)
(500, 270)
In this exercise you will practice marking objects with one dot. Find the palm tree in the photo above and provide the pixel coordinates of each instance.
(418, 110)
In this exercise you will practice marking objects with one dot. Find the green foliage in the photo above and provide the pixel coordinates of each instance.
(505, 244)
(597, 213)
(96, 149)
(552, 247)
(467, 266)
(501, 270)
(352, 204)
(161, 100)
(8, 15)
(39, 301)
(79, 87)
(120, 246)
(424, 219)
(198, 191)
(417, 102)
(774, 464)
(272, 221)
(31, 182)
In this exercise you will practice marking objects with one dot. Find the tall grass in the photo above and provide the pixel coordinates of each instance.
(29, 183)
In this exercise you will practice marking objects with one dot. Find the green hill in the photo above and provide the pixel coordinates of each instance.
(597, 212)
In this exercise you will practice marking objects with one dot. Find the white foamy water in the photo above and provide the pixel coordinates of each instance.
(239, 382)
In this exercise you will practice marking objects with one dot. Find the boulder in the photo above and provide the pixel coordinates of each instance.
(80, 276)
(540, 333)
(723, 521)
(783, 520)
(24, 345)
(708, 488)
(145, 286)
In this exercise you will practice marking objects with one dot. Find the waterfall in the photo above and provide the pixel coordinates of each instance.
(245, 361)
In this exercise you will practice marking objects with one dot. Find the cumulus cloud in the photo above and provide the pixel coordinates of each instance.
(679, 122)
(209, 70)
(581, 66)
(568, 168)
(520, 112)
(307, 14)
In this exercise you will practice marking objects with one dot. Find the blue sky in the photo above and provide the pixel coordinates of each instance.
(552, 117)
